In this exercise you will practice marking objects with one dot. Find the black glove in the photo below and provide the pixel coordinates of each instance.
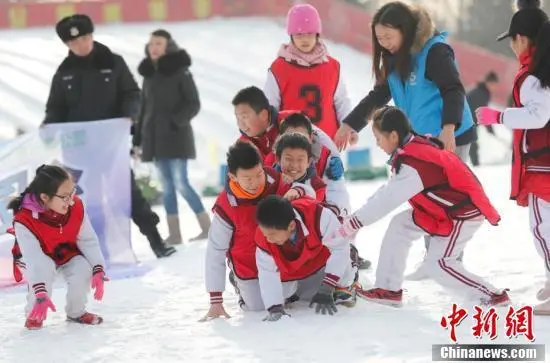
(324, 300)
(275, 313)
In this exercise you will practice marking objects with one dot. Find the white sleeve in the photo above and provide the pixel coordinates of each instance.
(400, 188)
(269, 278)
(88, 243)
(535, 112)
(337, 194)
(323, 139)
(272, 91)
(38, 264)
(339, 259)
(306, 189)
(219, 239)
(342, 102)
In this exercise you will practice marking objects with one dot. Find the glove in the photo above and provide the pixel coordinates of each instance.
(324, 298)
(488, 116)
(98, 280)
(276, 312)
(335, 169)
(39, 311)
(348, 229)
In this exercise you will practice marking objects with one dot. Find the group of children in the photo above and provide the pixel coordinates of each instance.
(283, 223)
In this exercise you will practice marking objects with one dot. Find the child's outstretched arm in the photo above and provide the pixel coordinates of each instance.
(269, 278)
(272, 91)
(219, 239)
(39, 268)
(535, 112)
(88, 244)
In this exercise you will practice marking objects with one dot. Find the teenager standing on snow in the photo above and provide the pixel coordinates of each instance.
(93, 83)
(305, 77)
(529, 34)
(53, 234)
(414, 65)
(447, 200)
(169, 102)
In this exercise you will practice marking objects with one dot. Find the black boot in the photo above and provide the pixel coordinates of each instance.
(157, 245)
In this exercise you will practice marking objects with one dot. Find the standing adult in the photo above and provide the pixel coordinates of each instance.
(170, 101)
(93, 83)
(414, 65)
(480, 96)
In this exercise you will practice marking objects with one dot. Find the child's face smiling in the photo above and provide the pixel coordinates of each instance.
(294, 162)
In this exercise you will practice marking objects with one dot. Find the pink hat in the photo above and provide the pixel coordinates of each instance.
(303, 19)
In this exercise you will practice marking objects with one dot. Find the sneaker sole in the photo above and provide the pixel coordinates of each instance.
(71, 320)
(395, 304)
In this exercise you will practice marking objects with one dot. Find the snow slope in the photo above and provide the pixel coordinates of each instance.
(154, 318)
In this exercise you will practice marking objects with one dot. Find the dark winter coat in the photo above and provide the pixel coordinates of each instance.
(170, 101)
(97, 87)
(477, 97)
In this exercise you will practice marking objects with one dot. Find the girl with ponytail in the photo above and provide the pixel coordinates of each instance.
(53, 234)
(529, 35)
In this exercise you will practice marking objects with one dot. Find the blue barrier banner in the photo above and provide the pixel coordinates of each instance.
(97, 155)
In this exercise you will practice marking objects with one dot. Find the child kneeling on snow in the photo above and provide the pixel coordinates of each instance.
(448, 203)
(53, 234)
(294, 259)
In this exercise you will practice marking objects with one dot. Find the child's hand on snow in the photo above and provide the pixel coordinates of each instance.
(488, 116)
(39, 311)
(276, 312)
(216, 311)
(98, 282)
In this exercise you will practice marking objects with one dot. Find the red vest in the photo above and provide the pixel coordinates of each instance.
(530, 167)
(308, 255)
(452, 191)
(57, 240)
(310, 89)
(240, 214)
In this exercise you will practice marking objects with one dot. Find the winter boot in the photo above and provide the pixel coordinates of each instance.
(158, 246)
(174, 232)
(204, 222)
(33, 324)
(87, 319)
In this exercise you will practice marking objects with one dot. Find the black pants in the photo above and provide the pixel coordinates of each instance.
(142, 214)
(474, 149)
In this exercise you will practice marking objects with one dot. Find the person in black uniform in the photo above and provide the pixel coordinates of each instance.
(93, 83)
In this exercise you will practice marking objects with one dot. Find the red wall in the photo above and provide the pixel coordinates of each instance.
(342, 23)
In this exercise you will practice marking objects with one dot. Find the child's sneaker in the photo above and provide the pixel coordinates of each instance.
(382, 296)
(345, 296)
(501, 299)
(87, 319)
(33, 324)
(290, 300)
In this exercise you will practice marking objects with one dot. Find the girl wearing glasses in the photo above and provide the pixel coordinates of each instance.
(53, 234)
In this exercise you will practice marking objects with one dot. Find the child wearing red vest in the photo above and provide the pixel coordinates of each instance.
(448, 203)
(231, 236)
(529, 35)
(53, 233)
(294, 257)
(305, 77)
(259, 124)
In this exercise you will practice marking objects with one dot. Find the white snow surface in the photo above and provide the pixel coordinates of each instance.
(154, 318)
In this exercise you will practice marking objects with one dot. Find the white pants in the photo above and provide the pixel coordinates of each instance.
(539, 219)
(249, 290)
(441, 259)
(78, 275)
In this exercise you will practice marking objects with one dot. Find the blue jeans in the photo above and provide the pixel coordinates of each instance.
(173, 175)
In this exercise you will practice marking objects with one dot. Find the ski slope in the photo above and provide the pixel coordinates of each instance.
(155, 318)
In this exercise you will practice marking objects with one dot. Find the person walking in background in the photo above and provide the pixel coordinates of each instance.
(170, 101)
(93, 83)
(479, 96)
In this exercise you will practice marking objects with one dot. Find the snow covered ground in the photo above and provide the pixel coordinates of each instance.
(155, 318)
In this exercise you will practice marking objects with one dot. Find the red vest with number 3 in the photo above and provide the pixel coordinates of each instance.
(57, 240)
(452, 191)
(309, 89)
(309, 254)
(531, 150)
(241, 215)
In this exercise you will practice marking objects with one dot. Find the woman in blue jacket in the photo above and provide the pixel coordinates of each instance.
(413, 64)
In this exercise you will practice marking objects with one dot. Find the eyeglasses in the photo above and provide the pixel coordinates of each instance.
(67, 198)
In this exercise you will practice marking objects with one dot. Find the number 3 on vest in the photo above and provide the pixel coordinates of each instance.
(312, 95)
